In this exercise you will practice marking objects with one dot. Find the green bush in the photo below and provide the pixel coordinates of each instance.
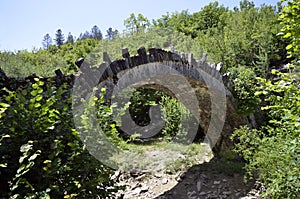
(41, 153)
(274, 150)
(140, 103)
(175, 114)
(98, 110)
(244, 85)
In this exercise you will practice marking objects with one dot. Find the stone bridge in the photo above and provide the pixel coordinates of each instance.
(163, 70)
(214, 109)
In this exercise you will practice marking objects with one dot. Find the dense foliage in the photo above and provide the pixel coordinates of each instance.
(42, 154)
(273, 150)
(245, 36)
(174, 113)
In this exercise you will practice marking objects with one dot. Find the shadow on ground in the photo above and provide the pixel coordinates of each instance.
(218, 178)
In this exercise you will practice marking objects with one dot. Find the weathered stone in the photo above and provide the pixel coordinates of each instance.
(158, 175)
(106, 57)
(203, 59)
(125, 53)
(199, 185)
(79, 61)
(200, 78)
(59, 73)
(202, 193)
(140, 177)
(164, 181)
(217, 182)
(227, 193)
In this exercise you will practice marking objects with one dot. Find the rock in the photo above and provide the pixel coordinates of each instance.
(144, 188)
(178, 177)
(192, 194)
(237, 194)
(203, 176)
(116, 175)
(136, 191)
(134, 173)
(164, 181)
(212, 196)
(158, 175)
(139, 190)
(199, 185)
(135, 185)
(217, 182)
(227, 193)
(140, 177)
(202, 193)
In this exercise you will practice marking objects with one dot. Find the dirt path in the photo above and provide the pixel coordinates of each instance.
(213, 179)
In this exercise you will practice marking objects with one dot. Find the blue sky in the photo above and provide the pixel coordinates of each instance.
(23, 23)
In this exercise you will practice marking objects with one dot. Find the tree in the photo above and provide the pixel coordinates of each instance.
(86, 35)
(130, 23)
(136, 24)
(96, 33)
(245, 38)
(70, 38)
(47, 41)
(80, 37)
(246, 5)
(273, 151)
(59, 38)
(111, 33)
(210, 16)
(290, 19)
(143, 22)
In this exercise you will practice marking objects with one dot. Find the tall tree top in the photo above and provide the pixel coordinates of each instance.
(47, 41)
(59, 37)
(96, 33)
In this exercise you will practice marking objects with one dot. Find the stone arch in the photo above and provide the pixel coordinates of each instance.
(109, 72)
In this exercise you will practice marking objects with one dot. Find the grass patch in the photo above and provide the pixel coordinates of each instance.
(162, 156)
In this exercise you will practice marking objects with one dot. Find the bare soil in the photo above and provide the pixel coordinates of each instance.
(209, 180)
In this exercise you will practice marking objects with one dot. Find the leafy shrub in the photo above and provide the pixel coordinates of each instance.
(140, 103)
(244, 85)
(274, 150)
(290, 18)
(175, 114)
(41, 153)
(99, 110)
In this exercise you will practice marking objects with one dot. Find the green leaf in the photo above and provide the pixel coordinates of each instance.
(288, 47)
(4, 105)
(287, 35)
(26, 147)
(39, 98)
(40, 83)
(33, 93)
(40, 90)
(47, 161)
(35, 86)
(34, 156)
(3, 165)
